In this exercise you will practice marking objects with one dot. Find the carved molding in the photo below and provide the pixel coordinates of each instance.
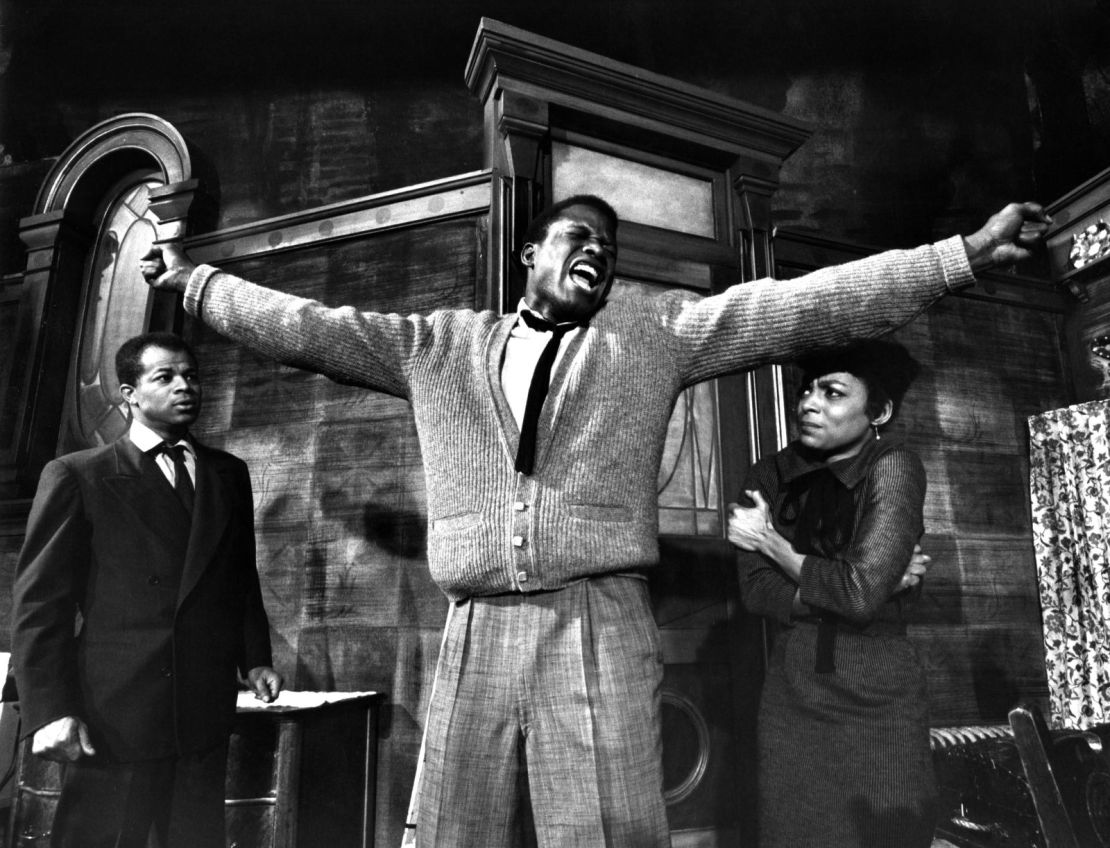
(418, 205)
(507, 59)
(534, 90)
(59, 234)
(154, 139)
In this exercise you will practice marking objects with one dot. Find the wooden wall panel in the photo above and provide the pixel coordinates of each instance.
(10, 398)
(339, 485)
(10, 543)
(986, 368)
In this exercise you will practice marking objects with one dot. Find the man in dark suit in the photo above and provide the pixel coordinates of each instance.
(136, 599)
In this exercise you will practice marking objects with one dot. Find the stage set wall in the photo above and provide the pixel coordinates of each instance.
(924, 122)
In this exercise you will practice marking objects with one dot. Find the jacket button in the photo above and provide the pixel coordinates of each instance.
(153, 580)
(167, 671)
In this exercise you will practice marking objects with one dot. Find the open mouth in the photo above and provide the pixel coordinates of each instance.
(585, 274)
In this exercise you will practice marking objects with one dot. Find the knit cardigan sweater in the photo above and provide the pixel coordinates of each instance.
(589, 507)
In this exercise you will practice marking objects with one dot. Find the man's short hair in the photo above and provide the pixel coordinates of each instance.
(129, 365)
(537, 230)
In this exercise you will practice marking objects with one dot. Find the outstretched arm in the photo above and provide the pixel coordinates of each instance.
(368, 349)
(754, 323)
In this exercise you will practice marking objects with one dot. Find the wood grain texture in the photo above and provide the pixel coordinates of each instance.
(339, 486)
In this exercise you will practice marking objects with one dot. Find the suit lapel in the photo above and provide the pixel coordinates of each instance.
(211, 511)
(145, 493)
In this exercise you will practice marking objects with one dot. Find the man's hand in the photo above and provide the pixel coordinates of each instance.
(64, 740)
(915, 571)
(265, 682)
(166, 267)
(1008, 236)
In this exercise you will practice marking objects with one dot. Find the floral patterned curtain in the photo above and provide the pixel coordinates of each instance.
(1069, 485)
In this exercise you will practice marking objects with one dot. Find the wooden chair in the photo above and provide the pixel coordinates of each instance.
(1069, 779)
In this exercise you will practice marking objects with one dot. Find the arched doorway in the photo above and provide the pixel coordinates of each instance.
(115, 189)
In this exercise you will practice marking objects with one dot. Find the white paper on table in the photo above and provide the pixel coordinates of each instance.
(287, 700)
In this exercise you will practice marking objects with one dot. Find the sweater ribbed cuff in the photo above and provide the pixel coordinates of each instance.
(194, 290)
(954, 263)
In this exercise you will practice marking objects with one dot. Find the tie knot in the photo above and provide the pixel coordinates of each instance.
(542, 325)
(172, 451)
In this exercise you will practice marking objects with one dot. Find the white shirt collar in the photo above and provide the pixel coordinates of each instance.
(523, 307)
(146, 439)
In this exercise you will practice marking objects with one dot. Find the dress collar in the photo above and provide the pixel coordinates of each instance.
(795, 460)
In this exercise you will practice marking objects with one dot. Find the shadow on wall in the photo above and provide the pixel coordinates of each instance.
(402, 533)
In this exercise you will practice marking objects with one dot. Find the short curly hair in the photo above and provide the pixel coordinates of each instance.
(129, 357)
(885, 367)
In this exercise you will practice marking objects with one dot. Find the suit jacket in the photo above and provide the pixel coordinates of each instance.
(166, 609)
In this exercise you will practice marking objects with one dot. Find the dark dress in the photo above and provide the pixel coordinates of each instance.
(843, 730)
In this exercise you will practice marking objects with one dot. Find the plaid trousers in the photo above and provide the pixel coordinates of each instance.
(545, 723)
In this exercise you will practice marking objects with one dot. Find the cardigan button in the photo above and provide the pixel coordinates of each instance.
(522, 577)
(518, 541)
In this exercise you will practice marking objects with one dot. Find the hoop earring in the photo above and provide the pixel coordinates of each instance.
(875, 427)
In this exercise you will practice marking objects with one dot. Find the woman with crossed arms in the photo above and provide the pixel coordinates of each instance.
(830, 522)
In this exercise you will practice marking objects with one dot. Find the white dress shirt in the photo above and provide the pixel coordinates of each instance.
(522, 352)
(146, 439)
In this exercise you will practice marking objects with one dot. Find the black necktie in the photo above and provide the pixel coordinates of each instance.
(182, 482)
(537, 390)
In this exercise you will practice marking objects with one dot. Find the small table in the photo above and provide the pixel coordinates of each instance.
(301, 773)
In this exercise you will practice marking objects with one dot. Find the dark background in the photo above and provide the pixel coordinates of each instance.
(928, 114)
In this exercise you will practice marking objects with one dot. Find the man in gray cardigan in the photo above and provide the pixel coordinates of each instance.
(542, 513)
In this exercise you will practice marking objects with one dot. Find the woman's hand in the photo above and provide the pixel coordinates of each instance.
(915, 571)
(750, 527)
